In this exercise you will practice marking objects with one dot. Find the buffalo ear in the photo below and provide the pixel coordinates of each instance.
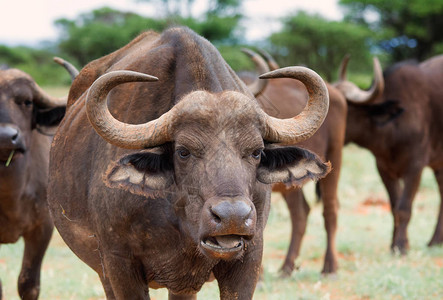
(290, 165)
(144, 173)
(385, 112)
(49, 116)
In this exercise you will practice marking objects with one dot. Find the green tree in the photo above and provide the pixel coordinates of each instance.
(98, 33)
(406, 29)
(219, 23)
(36, 62)
(320, 44)
(94, 34)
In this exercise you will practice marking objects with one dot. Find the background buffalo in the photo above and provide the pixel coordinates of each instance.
(26, 112)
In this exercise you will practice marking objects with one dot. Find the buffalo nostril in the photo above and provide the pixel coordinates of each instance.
(215, 217)
(15, 137)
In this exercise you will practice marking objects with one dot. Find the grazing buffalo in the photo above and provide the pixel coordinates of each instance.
(399, 121)
(283, 98)
(161, 184)
(26, 113)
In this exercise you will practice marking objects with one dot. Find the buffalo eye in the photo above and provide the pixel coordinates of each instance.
(27, 103)
(183, 153)
(256, 154)
(23, 101)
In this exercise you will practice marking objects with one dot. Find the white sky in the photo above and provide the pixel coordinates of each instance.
(32, 21)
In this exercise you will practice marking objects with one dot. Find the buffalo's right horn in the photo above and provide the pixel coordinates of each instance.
(124, 135)
(305, 124)
(353, 93)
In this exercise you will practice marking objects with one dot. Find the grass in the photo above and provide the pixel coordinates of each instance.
(367, 268)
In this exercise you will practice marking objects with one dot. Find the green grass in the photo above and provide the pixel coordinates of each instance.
(367, 268)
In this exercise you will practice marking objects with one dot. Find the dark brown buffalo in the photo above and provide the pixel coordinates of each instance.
(400, 121)
(192, 196)
(26, 111)
(283, 98)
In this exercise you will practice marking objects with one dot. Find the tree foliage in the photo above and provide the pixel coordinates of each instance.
(320, 44)
(36, 62)
(406, 29)
(98, 33)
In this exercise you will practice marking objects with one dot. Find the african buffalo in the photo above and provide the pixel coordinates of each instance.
(399, 121)
(26, 112)
(283, 98)
(185, 192)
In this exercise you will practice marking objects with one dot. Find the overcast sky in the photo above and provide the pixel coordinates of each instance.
(32, 21)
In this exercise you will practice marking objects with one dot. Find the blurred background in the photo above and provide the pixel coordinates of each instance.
(313, 33)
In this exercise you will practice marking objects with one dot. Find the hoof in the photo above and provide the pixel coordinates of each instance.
(330, 268)
(399, 250)
(286, 271)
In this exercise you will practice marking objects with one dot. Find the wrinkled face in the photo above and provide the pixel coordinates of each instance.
(16, 118)
(215, 162)
(219, 168)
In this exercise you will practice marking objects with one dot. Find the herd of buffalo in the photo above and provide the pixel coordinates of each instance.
(161, 167)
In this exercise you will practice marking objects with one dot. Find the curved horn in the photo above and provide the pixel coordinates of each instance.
(118, 133)
(44, 100)
(258, 86)
(68, 66)
(269, 60)
(355, 94)
(343, 67)
(305, 124)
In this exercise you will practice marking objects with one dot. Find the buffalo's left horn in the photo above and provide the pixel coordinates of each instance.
(305, 124)
(258, 86)
(124, 135)
(68, 66)
(353, 93)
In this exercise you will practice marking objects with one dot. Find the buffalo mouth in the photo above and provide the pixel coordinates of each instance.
(9, 154)
(223, 246)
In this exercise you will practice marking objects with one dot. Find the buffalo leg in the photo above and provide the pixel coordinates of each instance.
(402, 210)
(36, 243)
(107, 287)
(299, 211)
(392, 185)
(328, 187)
(125, 281)
(437, 237)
